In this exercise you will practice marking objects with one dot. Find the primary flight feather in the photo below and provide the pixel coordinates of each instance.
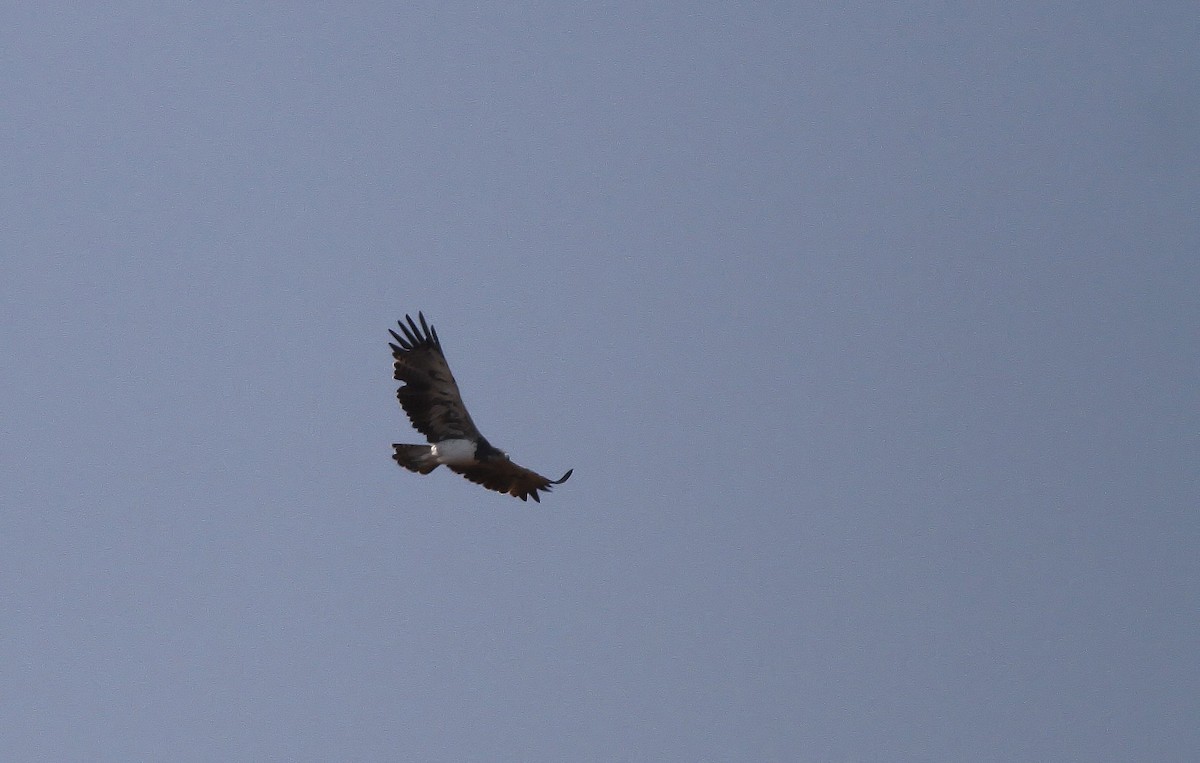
(431, 399)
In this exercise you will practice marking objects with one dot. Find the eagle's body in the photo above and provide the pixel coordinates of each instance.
(454, 452)
(431, 399)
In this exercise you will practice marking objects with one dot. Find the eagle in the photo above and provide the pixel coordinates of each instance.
(431, 399)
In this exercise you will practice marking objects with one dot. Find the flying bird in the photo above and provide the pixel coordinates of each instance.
(431, 399)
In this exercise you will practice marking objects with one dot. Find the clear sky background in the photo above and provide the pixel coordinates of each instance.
(870, 331)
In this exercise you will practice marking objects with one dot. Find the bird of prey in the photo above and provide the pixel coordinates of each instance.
(431, 399)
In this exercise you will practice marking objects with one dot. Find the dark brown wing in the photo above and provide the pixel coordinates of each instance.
(430, 395)
(504, 476)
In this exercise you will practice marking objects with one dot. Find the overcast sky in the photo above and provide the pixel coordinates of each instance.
(870, 331)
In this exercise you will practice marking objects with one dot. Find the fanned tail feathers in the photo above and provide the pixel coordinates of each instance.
(415, 458)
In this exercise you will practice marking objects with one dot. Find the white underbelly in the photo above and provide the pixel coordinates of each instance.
(454, 452)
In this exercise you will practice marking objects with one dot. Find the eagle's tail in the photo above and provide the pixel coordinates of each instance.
(415, 458)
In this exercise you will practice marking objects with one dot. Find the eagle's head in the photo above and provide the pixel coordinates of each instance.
(484, 451)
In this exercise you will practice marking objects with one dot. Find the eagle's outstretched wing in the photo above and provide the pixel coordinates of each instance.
(504, 476)
(430, 395)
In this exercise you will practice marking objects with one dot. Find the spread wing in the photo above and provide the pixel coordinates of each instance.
(503, 476)
(430, 395)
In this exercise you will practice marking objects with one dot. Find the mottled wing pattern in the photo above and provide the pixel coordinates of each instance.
(504, 476)
(430, 395)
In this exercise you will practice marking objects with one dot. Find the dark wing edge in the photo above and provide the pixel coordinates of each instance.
(507, 477)
(416, 338)
(430, 394)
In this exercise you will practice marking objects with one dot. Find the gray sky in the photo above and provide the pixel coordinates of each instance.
(871, 334)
